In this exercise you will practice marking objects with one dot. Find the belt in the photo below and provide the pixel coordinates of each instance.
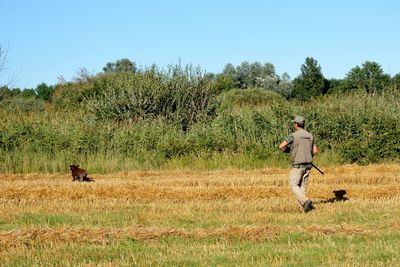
(302, 165)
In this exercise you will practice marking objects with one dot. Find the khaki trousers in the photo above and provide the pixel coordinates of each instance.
(298, 179)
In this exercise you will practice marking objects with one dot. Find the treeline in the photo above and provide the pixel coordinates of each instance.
(129, 117)
(368, 77)
(26, 100)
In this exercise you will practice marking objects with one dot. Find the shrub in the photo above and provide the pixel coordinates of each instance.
(178, 95)
(24, 104)
(238, 98)
(353, 128)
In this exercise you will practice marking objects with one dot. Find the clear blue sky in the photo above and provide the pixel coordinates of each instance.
(46, 39)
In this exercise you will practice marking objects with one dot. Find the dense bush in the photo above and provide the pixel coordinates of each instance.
(179, 95)
(237, 98)
(24, 104)
(223, 83)
(150, 117)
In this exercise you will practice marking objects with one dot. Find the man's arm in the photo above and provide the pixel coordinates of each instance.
(315, 150)
(283, 145)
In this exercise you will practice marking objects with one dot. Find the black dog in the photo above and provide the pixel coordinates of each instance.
(339, 195)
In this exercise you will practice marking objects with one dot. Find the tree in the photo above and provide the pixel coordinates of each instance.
(210, 76)
(279, 84)
(28, 93)
(255, 75)
(310, 82)
(243, 79)
(336, 86)
(44, 91)
(248, 75)
(229, 70)
(268, 69)
(223, 82)
(285, 77)
(369, 77)
(4, 93)
(7, 93)
(396, 81)
(109, 67)
(122, 65)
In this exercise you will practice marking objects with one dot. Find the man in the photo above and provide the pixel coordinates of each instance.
(302, 150)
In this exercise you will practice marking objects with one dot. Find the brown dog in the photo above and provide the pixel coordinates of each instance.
(79, 174)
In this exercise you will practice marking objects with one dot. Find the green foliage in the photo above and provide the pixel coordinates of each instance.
(360, 128)
(28, 93)
(249, 75)
(369, 77)
(238, 98)
(128, 117)
(16, 101)
(122, 65)
(310, 82)
(356, 128)
(279, 84)
(336, 86)
(396, 81)
(180, 95)
(70, 95)
(25, 104)
(223, 83)
(378, 138)
(7, 93)
(44, 91)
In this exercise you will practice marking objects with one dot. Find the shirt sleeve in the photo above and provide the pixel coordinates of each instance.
(289, 139)
(314, 141)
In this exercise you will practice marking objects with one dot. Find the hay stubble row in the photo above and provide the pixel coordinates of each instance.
(229, 203)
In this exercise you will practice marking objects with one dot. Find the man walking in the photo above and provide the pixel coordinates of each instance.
(302, 150)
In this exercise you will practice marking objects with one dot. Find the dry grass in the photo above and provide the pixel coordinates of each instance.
(360, 182)
(16, 238)
(256, 205)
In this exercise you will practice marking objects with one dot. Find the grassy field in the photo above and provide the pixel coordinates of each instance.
(205, 218)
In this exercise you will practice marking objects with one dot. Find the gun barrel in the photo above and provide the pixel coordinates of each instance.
(317, 168)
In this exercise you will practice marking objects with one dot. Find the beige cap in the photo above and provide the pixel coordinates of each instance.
(299, 119)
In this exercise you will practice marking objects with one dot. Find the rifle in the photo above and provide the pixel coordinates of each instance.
(312, 164)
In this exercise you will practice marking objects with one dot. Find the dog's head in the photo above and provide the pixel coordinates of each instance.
(339, 194)
(73, 167)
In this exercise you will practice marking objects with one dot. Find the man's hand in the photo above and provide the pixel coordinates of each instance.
(283, 145)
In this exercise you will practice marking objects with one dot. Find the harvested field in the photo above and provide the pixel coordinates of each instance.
(227, 217)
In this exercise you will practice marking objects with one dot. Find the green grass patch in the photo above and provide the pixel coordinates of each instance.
(294, 249)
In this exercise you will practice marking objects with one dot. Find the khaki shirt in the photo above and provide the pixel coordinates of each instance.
(301, 143)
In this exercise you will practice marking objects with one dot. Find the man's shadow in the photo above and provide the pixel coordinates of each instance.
(339, 197)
